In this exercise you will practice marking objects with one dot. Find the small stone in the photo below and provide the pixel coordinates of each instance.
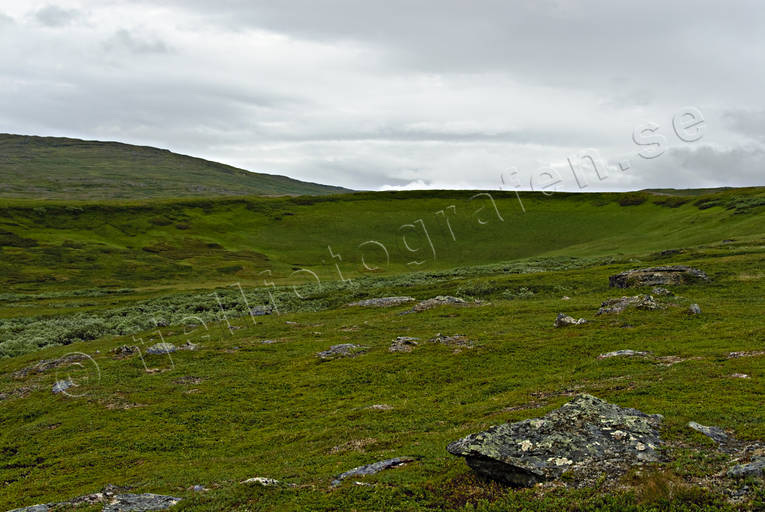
(694, 309)
(740, 376)
(565, 297)
(661, 291)
(380, 407)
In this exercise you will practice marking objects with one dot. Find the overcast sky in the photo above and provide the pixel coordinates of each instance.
(403, 94)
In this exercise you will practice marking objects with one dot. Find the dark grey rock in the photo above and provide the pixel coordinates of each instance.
(587, 437)
(382, 302)
(125, 350)
(455, 340)
(716, 434)
(756, 468)
(261, 310)
(694, 309)
(403, 344)
(140, 503)
(342, 350)
(161, 348)
(440, 300)
(619, 304)
(371, 469)
(655, 276)
(112, 501)
(563, 320)
(661, 291)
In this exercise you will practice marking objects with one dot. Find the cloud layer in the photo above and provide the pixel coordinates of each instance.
(380, 95)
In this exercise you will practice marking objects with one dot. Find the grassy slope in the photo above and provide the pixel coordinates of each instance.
(68, 246)
(273, 410)
(70, 169)
(237, 408)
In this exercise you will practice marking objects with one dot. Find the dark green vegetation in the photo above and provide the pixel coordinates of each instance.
(72, 169)
(237, 408)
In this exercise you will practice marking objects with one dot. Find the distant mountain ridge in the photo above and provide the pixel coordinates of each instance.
(35, 167)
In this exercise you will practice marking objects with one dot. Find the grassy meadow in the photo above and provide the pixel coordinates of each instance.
(88, 277)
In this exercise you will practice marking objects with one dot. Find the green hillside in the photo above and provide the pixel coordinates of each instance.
(72, 169)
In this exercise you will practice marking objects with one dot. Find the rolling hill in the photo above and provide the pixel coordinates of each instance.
(62, 168)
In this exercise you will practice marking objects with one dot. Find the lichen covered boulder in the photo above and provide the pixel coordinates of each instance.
(655, 276)
(564, 320)
(586, 437)
(341, 350)
(619, 304)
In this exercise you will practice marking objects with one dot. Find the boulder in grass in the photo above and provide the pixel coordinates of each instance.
(403, 344)
(564, 320)
(755, 468)
(382, 302)
(586, 438)
(623, 353)
(161, 348)
(619, 304)
(657, 276)
(342, 350)
(371, 469)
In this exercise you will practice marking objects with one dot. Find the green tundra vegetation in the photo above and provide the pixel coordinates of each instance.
(70, 169)
(90, 276)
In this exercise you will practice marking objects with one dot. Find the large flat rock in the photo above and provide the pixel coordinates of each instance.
(654, 276)
(587, 436)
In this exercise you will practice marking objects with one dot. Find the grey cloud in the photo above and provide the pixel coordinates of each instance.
(124, 39)
(442, 93)
(750, 123)
(55, 16)
(584, 43)
(737, 166)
